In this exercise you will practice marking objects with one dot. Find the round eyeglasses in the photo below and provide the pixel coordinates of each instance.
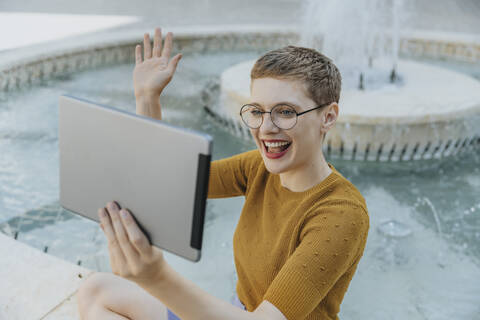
(283, 115)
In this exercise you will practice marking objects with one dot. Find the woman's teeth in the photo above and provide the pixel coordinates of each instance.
(276, 147)
(276, 144)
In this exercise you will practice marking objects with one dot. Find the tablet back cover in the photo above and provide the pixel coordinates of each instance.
(156, 170)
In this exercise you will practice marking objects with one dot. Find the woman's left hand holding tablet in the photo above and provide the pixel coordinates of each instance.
(131, 255)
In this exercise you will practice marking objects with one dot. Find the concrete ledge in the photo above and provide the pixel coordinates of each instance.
(19, 68)
(35, 285)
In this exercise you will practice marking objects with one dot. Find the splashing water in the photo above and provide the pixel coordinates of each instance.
(357, 34)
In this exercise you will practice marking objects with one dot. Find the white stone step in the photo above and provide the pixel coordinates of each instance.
(36, 285)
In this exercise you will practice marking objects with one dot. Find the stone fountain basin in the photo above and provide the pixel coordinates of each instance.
(431, 114)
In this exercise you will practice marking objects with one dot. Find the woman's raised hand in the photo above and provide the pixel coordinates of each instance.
(152, 74)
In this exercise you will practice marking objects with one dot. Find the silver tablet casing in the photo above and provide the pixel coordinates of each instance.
(156, 170)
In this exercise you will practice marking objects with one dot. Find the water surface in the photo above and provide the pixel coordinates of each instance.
(422, 259)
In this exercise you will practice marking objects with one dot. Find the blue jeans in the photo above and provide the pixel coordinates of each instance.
(236, 302)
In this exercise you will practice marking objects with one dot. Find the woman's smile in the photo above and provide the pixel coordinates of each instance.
(275, 149)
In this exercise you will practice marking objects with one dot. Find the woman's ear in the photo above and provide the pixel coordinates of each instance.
(330, 117)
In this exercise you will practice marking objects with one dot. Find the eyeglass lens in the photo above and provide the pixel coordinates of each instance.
(283, 116)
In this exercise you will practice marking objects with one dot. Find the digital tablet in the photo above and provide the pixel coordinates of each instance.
(156, 170)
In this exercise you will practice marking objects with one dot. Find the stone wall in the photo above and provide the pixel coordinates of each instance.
(19, 74)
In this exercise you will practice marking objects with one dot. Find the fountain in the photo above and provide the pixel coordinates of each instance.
(391, 109)
(425, 226)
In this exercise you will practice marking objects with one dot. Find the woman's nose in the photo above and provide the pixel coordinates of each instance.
(267, 124)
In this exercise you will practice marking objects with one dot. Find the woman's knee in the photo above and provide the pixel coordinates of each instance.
(92, 287)
(118, 294)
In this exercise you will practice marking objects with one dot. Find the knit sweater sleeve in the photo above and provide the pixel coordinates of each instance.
(329, 244)
(229, 176)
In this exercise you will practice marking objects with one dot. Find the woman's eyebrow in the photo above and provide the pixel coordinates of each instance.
(256, 104)
(289, 103)
(282, 102)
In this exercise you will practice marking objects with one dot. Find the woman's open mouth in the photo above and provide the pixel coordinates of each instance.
(275, 150)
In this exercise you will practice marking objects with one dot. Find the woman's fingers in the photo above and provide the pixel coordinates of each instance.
(167, 46)
(138, 54)
(117, 259)
(157, 43)
(147, 49)
(172, 64)
(136, 236)
(129, 251)
(157, 51)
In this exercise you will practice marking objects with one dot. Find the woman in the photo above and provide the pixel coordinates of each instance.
(303, 227)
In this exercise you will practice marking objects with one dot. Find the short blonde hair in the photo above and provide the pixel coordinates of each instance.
(320, 75)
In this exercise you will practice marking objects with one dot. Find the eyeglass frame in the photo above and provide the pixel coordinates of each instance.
(280, 104)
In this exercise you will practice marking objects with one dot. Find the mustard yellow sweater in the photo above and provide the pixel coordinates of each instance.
(298, 250)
